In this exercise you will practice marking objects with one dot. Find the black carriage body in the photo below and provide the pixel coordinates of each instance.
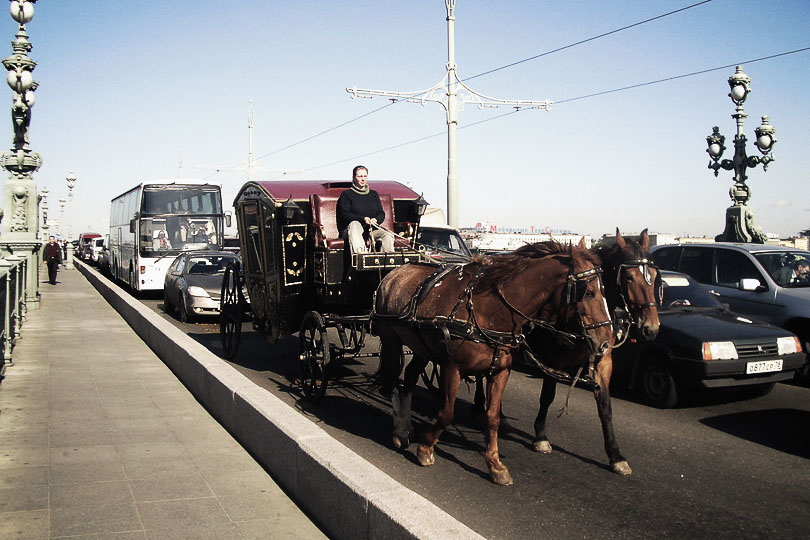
(294, 259)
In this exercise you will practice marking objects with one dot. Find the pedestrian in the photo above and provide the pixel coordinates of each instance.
(359, 213)
(64, 249)
(52, 257)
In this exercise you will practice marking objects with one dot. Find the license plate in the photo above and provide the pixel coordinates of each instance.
(763, 367)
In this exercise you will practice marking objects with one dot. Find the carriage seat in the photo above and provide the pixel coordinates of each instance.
(324, 216)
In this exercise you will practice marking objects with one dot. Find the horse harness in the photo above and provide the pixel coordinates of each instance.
(470, 330)
(644, 265)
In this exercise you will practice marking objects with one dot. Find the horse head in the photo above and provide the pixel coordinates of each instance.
(583, 303)
(637, 281)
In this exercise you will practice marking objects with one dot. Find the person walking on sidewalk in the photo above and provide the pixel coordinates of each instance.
(53, 257)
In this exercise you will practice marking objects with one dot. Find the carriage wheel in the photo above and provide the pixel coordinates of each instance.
(230, 312)
(430, 376)
(313, 351)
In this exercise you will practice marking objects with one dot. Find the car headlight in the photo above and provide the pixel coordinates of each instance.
(788, 345)
(719, 350)
(197, 291)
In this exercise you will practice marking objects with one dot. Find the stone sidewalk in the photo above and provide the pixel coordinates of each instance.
(98, 439)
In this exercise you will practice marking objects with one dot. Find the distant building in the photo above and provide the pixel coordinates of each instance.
(656, 239)
(510, 241)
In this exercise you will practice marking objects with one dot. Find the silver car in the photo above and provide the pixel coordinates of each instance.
(764, 282)
(193, 283)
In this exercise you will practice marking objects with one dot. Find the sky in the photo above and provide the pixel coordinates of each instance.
(132, 91)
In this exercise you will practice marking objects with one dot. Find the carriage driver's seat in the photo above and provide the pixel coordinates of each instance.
(324, 216)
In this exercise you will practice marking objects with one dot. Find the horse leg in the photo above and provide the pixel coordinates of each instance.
(449, 381)
(547, 394)
(604, 370)
(401, 403)
(390, 362)
(479, 401)
(497, 470)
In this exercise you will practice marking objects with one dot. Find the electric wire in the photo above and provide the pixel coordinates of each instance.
(567, 100)
(393, 101)
(581, 42)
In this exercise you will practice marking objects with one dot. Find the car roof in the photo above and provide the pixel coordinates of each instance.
(206, 253)
(750, 248)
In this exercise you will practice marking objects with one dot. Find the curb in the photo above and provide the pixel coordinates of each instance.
(346, 495)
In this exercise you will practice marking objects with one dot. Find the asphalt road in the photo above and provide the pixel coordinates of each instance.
(725, 466)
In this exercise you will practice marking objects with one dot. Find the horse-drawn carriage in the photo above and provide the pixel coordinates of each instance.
(299, 276)
(471, 319)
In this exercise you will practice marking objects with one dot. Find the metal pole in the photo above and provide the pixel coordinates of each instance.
(446, 93)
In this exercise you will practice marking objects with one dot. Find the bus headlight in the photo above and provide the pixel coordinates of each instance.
(197, 291)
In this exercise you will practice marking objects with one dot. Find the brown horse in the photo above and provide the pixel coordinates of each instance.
(470, 320)
(631, 282)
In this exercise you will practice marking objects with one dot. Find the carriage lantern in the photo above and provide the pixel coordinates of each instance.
(290, 209)
(421, 206)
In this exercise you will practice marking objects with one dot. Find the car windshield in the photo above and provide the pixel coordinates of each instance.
(787, 268)
(444, 240)
(208, 265)
(681, 291)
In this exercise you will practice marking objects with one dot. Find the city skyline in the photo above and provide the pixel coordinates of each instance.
(129, 92)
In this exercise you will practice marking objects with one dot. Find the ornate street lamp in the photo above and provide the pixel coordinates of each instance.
(44, 207)
(21, 228)
(71, 181)
(740, 225)
(61, 216)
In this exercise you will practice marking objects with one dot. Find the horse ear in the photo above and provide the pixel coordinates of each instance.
(620, 240)
(645, 240)
(581, 244)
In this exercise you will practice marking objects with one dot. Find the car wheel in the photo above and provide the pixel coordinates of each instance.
(167, 305)
(658, 385)
(185, 317)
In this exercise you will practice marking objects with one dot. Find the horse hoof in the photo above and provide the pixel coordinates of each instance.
(544, 447)
(502, 478)
(622, 468)
(401, 442)
(426, 457)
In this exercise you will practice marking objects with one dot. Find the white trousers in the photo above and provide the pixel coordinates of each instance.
(383, 240)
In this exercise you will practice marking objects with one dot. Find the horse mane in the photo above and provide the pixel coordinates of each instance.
(502, 268)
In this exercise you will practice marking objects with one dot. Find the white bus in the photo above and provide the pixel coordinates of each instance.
(154, 221)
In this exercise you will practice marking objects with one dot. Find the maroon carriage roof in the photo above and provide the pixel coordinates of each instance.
(300, 190)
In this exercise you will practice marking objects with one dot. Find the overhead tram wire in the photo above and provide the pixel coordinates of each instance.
(378, 109)
(394, 102)
(567, 100)
(558, 49)
(701, 72)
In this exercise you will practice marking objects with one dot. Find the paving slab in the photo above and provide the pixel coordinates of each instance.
(98, 439)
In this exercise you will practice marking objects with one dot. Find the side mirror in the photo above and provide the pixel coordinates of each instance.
(228, 219)
(132, 225)
(751, 284)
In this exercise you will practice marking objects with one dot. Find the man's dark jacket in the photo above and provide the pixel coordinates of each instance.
(352, 206)
(53, 252)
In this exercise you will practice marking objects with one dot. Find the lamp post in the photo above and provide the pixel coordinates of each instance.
(44, 207)
(740, 225)
(62, 216)
(451, 93)
(71, 181)
(20, 199)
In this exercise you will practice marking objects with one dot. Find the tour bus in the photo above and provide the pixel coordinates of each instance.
(153, 222)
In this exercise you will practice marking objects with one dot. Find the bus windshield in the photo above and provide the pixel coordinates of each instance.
(180, 200)
(172, 234)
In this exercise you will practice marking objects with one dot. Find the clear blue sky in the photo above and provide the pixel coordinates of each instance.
(127, 88)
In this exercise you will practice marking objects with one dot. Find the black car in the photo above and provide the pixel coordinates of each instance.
(703, 345)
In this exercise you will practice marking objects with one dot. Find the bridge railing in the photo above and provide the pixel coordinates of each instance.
(13, 277)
